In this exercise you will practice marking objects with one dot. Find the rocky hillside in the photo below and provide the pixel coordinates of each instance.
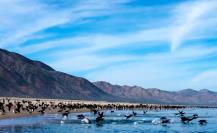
(22, 77)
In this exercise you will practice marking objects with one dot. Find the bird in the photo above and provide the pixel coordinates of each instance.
(2, 107)
(100, 117)
(42, 111)
(95, 111)
(195, 115)
(101, 114)
(86, 120)
(181, 113)
(134, 113)
(145, 111)
(128, 116)
(164, 120)
(17, 109)
(65, 114)
(81, 116)
(185, 119)
(202, 122)
(9, 105)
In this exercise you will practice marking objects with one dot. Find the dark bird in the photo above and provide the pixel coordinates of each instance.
(145, 111)
(17, 109)
(134, 113)
(101, 114)
(195, 115)
(202, 122)
(185, 119)
(2, 107)
(42, 111)
(9, 105)
(100, 117)
(128, 116)
(65, 114)
(164, 120)
(94, 111)
(38, 100)
(24, 101)
(81, 116)
(181, 113)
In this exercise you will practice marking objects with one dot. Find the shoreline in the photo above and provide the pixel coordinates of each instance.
(60, 106)
(22, 115)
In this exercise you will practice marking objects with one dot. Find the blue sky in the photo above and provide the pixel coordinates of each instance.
(166, 44)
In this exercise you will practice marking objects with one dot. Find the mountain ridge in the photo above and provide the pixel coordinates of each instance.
(185, 96)
(22, 77)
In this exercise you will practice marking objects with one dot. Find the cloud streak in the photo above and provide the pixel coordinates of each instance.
(187, 17)
(29, 17)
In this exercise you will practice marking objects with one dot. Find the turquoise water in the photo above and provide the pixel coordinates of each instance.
(113, 123)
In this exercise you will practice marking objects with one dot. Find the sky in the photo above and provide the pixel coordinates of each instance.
(165, 44)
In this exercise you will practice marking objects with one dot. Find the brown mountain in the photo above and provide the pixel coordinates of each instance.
(153, 95)
(22, 77)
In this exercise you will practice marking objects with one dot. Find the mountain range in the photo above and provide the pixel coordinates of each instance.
(154, 95)
(23, 77)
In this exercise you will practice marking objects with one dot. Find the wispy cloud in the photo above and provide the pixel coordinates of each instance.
(91, 43)
(23, 18)
(29, 17)
(188, 17)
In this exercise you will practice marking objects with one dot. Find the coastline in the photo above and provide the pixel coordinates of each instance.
(77, 106)
(14, 116)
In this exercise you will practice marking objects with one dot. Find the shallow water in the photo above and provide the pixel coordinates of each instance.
(113, 123)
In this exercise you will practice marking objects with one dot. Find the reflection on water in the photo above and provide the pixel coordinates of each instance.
(113, 122)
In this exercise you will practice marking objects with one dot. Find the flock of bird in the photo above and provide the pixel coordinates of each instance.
(65, 109)
(162, 120)
(30, 106)
(184, 119)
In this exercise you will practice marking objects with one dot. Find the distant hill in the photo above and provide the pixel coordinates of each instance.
(22, 77)
(153, 95)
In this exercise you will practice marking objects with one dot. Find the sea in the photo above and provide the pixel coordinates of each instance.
(114, 122)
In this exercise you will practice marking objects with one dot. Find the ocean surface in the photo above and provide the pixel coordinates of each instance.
(113, 123)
